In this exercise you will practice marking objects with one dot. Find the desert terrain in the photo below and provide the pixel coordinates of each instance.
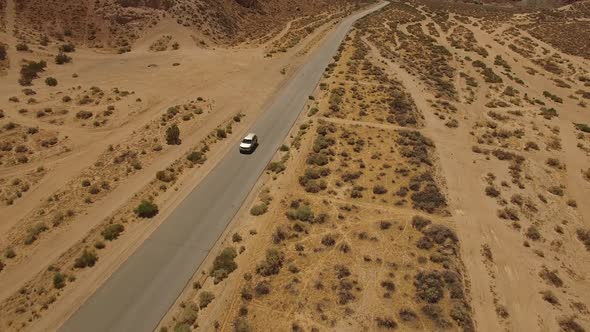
(437, 179)
(100, 139)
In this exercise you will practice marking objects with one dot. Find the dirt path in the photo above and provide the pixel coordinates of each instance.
(11, 53)
(470, 210)
(365, 123)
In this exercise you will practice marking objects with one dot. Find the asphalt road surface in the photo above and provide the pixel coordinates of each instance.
(142, 290)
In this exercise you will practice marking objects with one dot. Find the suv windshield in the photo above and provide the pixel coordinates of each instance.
(247, 141)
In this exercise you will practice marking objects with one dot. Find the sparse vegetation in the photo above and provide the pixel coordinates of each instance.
(146, 209)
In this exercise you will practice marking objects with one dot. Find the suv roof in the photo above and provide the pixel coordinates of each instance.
(250, 136)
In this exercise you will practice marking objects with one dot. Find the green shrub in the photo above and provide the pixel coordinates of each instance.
(59, 280)
(86, 259)
(205, 298)
(112, 232)
(224, 264)
(146, 209)
(50, 81)
(259, 209)
(173, 135)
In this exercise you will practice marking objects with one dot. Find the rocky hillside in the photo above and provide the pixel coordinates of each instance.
(117, 23)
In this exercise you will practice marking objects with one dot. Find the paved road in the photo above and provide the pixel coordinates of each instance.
(142, 290)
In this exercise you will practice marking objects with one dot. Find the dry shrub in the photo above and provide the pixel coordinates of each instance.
(429, 286)
(551, 277)
(550, 297)
(584, 236)
(272, 263)
(386, 323)
(435, 314)
(419, 222)
(568, 324)
(533, 233)
(407, 315)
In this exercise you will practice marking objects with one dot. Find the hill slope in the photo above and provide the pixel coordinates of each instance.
(116, 23)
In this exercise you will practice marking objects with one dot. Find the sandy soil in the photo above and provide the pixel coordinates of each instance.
(508, 117)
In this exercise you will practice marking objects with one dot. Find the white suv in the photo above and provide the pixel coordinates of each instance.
(249, 143)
